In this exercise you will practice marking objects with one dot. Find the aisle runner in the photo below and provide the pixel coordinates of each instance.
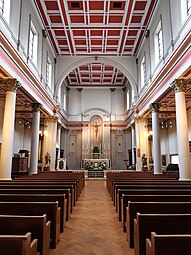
(93, 228)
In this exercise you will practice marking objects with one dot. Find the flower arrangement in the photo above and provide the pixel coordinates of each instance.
(95, 165)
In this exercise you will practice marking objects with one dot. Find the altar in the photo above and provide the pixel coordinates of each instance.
(96, 163)
(96, 168)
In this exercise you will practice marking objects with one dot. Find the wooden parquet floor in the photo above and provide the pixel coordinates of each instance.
(93, 228)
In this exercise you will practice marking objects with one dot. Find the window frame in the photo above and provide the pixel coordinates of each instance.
(33, 43)
(143, 74)
(5, 10)
(49, 72)
(159, 43)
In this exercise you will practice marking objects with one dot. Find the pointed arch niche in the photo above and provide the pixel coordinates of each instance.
(96, 134)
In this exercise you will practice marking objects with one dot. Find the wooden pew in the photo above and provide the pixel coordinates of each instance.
(168, 244)
(154, 208)
(149, 198)
(38, 181)
(18, 245)
(40, 198)
(51, 209)
(41, 186)
(151, 185)
(42, 191)
(144, 224)
(151, 191)
(19, 225)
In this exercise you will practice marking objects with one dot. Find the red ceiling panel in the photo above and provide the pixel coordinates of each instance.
(59, 32)
(112, 42)
(55, 19)
(113, 32)
(113, 7)
(80, 42)
(51, 5)
(96, 19)
(136, 19)
(62, 42)
(115, 19)
(77, 19)
(70, 7)
(132, 32)
(96, 5)
(96, 32)
(79, 32)
(96, 42)
(140, 5)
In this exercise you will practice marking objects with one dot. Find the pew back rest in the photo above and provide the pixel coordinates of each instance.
(19, 225)
(154, 208)
(18, 245)
(144, 224)
(168, 244)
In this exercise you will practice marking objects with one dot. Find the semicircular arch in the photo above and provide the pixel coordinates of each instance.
(103, 60)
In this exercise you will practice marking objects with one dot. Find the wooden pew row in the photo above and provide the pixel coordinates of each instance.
(37, 181)
(144, 224)
(136, 175)
(149, 192)
(139, 181)
(65, 192)
(168, 244)
(40, 198)
(41, 186)
(51, 209)
(36, 225)
(79, 177)
(18, 245)
(154, 208)
(146, 185)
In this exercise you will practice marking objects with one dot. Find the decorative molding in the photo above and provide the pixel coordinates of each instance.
(75, 131)
(10, 84)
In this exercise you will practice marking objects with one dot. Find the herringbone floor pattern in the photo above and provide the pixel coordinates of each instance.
(93, 228)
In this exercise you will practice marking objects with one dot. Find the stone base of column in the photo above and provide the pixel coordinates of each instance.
(4, 179)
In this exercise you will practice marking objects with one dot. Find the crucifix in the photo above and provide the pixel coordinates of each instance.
(96, 128)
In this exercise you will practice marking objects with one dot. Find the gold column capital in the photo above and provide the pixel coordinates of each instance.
(36, 107)
(10, 84)
(179, 85)
(140, 119)
(51, 119)
(155, 107)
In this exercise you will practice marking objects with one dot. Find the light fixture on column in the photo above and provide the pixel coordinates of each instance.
(23, 123)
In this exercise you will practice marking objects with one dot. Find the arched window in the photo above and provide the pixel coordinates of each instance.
(5, 9)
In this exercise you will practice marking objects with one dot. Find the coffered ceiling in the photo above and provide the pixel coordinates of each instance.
(86, 27)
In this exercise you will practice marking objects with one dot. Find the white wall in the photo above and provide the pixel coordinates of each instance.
(89, 99)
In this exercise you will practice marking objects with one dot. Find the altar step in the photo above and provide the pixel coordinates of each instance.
(95, 174)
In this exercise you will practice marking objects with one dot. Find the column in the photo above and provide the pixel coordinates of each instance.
(141, 140)
(59, 139)
(35, 139)
(156, 138)
(133, 143)
(11, 86)
(179, 86)
(50, 142)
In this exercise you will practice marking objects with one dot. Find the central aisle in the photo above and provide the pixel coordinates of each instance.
(93, 228)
